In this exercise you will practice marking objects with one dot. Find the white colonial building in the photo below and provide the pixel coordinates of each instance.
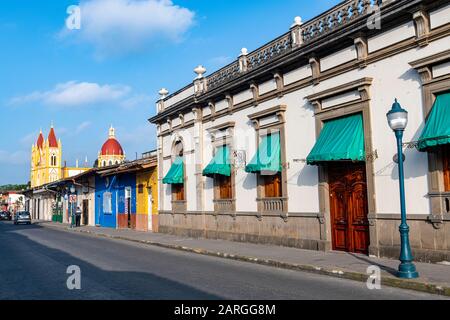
(290, 144)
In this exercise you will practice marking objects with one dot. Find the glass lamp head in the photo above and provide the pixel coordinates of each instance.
(397, 117)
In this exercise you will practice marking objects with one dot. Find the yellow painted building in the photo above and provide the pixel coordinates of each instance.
(147, 197)
(46, 161)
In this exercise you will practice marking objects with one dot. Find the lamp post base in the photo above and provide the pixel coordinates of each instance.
(407, 270)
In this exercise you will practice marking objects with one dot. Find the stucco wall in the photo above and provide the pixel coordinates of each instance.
(403, 83)
(147, 179)
(393, 77)
(90, 196)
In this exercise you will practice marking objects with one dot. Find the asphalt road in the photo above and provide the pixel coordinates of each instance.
(34, 261)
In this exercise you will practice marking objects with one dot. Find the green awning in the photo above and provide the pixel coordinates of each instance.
(176, 172)
(340, 139)
(268, 156)
(220, 164)
(437, 127)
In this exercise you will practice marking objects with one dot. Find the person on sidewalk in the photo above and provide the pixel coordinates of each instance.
(78, 217)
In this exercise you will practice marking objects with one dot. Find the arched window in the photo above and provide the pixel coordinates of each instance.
(178, 149)
(104, 163)
(110, 163)
(53, 161)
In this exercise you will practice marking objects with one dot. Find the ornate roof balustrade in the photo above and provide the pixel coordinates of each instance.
(300, 35)
(223, 75)
(270, 51)
(330, 21)
(337, 17)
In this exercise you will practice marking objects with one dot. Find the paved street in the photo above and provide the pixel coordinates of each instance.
(34, 261)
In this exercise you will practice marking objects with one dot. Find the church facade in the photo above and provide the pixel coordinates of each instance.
(46, 161)
(46, 158)
(290, 145)
(47, 167)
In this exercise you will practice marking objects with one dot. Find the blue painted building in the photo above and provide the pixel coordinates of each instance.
(105, 202)
(115, 195)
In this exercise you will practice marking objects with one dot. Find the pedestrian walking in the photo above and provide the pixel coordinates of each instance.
(78, 217)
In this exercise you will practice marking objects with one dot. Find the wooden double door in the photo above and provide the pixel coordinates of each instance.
(349, 207)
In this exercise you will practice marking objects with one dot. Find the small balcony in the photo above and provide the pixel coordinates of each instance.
(179, 206)
(272, 205)
(224, 206)
(440, 202)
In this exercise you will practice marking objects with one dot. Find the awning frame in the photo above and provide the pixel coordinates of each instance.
(327, 147)
(255, 165)
(214, 168)
(176, 172)
(437, 129)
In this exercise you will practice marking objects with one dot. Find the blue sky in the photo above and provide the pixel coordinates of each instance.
(109, 71)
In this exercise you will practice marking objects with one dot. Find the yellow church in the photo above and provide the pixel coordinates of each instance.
(46, 161)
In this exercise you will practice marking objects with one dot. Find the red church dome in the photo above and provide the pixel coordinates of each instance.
(112, 147)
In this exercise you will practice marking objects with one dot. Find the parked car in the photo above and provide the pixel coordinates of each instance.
(22, 217)
(5, 215)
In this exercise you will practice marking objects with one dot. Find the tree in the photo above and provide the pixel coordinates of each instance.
(13, 187)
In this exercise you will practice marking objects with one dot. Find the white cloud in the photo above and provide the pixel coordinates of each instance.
(82, 126)
(74, 93)
(115, 27)
(139, 100)
(219, 62)
(29, 139)
(61, 131)
(138, 135)
(14, 158)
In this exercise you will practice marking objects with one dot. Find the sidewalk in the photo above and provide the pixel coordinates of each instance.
(434, 278)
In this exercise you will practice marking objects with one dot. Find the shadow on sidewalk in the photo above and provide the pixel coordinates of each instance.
(33, 271)
(370, 262)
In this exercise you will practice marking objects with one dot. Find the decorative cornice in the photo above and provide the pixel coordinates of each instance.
(267, 112)
(422, 24)
(424, 65)
(255, 91)
(279, 80)
(223, 126)
(361, 85)
(230, 101)
(362, 50)
(431, 60)
(197, 113)
(314, 62)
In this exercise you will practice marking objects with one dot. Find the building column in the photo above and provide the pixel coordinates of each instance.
(160, 172)
(198, 143)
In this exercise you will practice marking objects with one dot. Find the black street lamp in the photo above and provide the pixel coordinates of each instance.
(398, 120)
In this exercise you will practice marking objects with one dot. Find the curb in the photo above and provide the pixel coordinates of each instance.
(341, 274)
